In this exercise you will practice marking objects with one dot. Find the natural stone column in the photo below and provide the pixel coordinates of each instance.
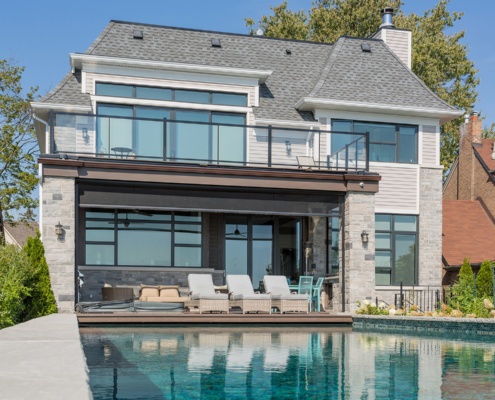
(430, 228)
(58, 205)
(357, 275)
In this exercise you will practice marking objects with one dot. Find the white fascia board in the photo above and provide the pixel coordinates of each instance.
(77, 61)
(310, 103)
(61, 107)
(284, 124)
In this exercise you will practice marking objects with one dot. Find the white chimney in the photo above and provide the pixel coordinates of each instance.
(398, 40)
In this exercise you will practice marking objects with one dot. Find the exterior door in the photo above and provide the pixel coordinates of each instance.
(249, 246)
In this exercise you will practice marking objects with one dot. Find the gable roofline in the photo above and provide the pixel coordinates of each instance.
(77, 61)
(311, 103)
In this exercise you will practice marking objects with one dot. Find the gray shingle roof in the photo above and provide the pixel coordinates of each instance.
(338, 72)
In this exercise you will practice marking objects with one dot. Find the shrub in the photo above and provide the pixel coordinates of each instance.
(462, 292)
(41, 300)
(14, 271)
(484, 286)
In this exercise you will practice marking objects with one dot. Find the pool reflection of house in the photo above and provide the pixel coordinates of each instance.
(167, 151)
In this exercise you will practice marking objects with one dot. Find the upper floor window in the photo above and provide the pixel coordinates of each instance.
(388, 142)
(166, 94)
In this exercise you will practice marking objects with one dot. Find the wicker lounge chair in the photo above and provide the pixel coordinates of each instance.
(282, 298)
(203, 296)
(242, 295)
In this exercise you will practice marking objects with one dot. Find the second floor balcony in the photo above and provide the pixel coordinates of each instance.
(192, 142)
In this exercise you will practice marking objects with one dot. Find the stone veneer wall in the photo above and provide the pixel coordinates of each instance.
(95, 279)
(359, 274)
(58, 205)
(430, 228)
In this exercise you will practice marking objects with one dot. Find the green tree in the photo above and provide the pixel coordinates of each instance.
(41, 300)
(18, 174)
(484, 286)
(14, 271)
(438, 58)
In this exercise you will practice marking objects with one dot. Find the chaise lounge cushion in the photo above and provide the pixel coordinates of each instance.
(162, 294)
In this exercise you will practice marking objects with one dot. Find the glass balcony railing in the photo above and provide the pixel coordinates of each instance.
(164, 140)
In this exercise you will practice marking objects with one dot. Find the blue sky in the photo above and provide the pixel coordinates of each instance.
(40, 34)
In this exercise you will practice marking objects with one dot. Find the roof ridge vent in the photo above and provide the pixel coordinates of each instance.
(138, 34)
(215, 42)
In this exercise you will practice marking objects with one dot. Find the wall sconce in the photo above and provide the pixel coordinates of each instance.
(288, 148)
(59, 229)
(85, 135)
(364, 237)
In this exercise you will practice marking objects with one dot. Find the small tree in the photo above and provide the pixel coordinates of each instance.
(462, 294)
(484, 286)
(14, 269)
(41, 300)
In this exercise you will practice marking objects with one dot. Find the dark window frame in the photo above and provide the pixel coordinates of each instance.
(173, 222)
(392, 249)
(395, 143)
(173, 90)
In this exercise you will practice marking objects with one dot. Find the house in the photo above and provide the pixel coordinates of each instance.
(19, 232)
(469, 202)
(167, 151)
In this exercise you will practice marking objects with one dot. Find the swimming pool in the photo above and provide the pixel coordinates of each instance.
(283, 363)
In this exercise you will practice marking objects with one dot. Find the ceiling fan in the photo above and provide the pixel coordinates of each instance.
(237, 232)
(127, 221)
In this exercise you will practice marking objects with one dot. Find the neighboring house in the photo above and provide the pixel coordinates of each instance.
(167, 151)
(468, 232)
(19, 232)
(469, 202)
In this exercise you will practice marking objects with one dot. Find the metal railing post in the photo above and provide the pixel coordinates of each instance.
(269, 145)
(401, 300)
(367, 146)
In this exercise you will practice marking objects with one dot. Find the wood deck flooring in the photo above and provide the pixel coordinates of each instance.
(178, 318)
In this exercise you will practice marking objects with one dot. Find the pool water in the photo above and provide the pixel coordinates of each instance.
(284, 363)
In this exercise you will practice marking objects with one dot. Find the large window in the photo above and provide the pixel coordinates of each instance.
(396, 242)
(388, 142)
(180, 95)
(137, 238)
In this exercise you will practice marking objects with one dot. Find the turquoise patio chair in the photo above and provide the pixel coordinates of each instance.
(306, 287)
(316, 295)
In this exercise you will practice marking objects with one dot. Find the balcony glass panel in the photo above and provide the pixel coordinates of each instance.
(149, 134)
(228, 142)
(189, 141)
(100, 235)
(114, 133)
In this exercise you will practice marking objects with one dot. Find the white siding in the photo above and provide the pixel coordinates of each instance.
(429, 146)
(398, 188)
(399, 42)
